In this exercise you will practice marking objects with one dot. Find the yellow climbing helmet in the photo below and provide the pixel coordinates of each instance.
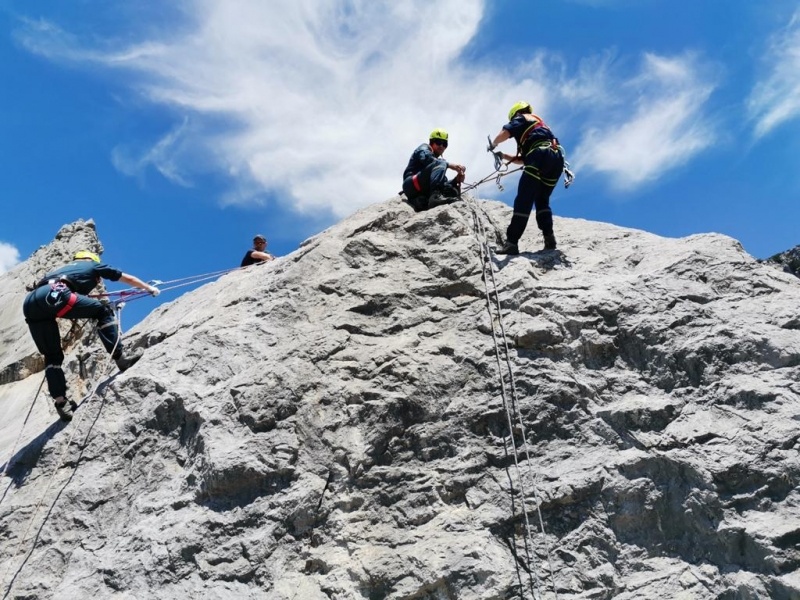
(438, 134)
(518, 106)
(86, 254)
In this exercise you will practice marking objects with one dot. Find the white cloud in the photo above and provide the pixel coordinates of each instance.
(9, 257)
(163, 156)
(319, 103)
(647, 125)
(776, 99)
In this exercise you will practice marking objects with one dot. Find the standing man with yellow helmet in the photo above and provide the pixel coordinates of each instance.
(425, 178)
(538, 150)
(62, 294)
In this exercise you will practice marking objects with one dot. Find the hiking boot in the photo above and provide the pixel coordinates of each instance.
(450, 191)
(438, 199)
(125, 362)
(65, 408)
(507, 248)
(417, 203)
(549, 241)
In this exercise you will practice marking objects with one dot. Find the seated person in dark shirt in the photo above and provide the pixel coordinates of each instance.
(257, 254)
(424, 179)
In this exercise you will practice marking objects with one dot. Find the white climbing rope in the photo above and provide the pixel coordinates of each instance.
(59, 465)
(512, 413)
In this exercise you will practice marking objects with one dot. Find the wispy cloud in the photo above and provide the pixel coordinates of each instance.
(649, 124)
(165, 156)
(9, 257)
(318, 103)
(776, 99)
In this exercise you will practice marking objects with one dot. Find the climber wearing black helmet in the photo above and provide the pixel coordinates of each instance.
(256, 254)
(425, 178)
(538, 150)
(61, 294)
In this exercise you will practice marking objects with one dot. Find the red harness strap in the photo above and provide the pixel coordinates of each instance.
(415, 181)
(73, 298)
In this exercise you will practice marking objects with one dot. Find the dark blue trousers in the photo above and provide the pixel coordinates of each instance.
(41, 309)
(431, 178)
(543, 167)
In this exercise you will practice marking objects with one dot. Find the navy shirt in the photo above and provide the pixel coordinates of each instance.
(83, 275)
(249, 260)
(421, 158)
(527, 132)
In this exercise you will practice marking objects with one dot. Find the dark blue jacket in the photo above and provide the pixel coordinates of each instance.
(528, 133)
(422, 157)
(82, 276)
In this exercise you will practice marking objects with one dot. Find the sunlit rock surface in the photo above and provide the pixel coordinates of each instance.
(335, 425)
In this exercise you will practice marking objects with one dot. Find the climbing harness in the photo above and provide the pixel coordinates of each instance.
(501, 167)
(513, 416)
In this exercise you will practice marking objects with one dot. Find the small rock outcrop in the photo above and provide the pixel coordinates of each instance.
(789, 261)
(389, 413)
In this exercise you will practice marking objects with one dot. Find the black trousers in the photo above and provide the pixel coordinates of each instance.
(543, 167)
(430, 179)
(41, 309)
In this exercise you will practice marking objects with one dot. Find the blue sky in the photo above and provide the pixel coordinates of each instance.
(184, 128)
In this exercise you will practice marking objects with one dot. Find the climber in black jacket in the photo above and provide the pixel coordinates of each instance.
(543, 159)
(62, 294)
(425, 177)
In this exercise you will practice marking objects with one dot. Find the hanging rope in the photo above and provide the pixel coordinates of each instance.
(136, 293)
(497, 175)
(512, 411)
(59, 464)
(22, 429)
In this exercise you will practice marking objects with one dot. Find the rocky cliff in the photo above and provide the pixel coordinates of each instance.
(388, 412)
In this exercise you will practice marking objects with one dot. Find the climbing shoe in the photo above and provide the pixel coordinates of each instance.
(126, 361)
(549, 241)
(507, 248)
(450, 191)
(65, 408)
(438, 199)
(420, 203)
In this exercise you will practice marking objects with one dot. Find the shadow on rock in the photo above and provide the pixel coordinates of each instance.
(547, 260)
(26, 458)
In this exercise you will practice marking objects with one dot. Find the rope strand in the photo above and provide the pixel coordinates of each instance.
(497, 175)
(51, 478)
(135, 293)
(512, 411)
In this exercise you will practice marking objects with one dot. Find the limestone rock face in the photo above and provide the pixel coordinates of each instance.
(389, 413)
